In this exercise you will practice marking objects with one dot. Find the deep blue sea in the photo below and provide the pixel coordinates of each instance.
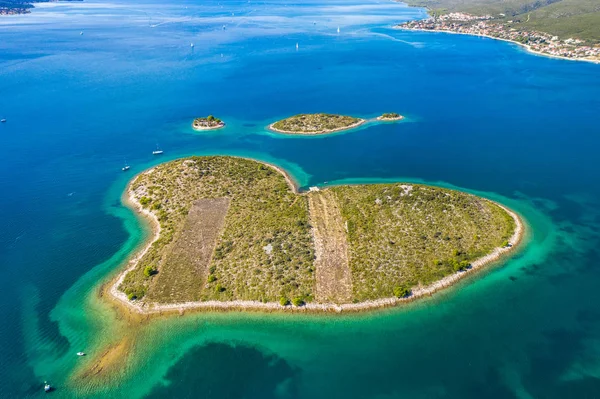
(88, 86)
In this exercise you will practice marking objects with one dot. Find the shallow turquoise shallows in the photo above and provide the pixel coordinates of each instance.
(89, 86)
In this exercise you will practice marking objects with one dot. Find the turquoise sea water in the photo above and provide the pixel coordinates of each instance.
(482, 116)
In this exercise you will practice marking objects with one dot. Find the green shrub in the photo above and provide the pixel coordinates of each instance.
(298, 301)
(144, 201)
(150, 271)
(402, 292)
(211, 278)
(459, 266)
(135, 293)
(283, 301)
(219, 288)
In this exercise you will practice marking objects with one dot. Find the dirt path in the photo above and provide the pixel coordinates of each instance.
(333, 278)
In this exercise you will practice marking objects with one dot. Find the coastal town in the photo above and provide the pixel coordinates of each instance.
(498, 28)
(13, 11)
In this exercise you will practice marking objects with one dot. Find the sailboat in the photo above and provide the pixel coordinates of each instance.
(47, 387)
(192, 45)
(338, 29)
(296, 46)
(158, 151)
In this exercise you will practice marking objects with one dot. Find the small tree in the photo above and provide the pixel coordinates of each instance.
(219, 288)
(402, 292)
(150, 271)
(210, 118)
(211, 278)
(283, 301)
(505, 244)
(144, 201)
(298, 301)
(460, 266)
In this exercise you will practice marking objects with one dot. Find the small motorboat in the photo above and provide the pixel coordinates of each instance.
(47, 387)
(80, 353)
(158, 151)
(192, 45)
(125, 168)
(3, 120)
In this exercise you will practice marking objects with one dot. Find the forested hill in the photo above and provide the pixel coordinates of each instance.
(564, 18)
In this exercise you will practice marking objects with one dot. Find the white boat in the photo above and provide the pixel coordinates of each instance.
(338, 29)
(47, 387)
(296, 46)
(192, 45)
(83, 353)
(3, 120)
(125, 168)
(158, 151)
(80, 33)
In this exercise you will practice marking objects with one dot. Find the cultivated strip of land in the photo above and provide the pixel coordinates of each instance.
(183, 273)
(334, 281)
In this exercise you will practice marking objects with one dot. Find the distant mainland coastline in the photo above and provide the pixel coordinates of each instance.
(321, 268)
(498, 28)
